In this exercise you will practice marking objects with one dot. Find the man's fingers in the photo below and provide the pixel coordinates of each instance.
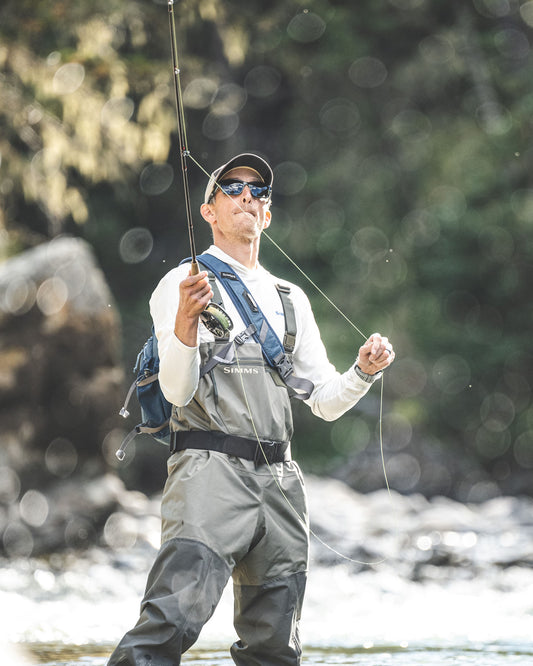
(376, 353)
(195, 279)
(195, 293)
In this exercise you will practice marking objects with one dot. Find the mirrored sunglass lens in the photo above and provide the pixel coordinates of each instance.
(237, 187)
(232, 188)
(259, 191)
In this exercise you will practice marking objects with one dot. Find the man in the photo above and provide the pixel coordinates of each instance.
(230, 506)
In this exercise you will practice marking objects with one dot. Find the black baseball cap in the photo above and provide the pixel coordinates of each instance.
(248, 160)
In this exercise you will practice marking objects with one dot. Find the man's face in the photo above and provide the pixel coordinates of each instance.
(242, 216)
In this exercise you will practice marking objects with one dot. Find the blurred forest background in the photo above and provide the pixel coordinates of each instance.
(400, 133)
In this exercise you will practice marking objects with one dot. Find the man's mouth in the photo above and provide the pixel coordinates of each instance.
(249, 213)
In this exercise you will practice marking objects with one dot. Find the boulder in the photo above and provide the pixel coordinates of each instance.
(61, 382)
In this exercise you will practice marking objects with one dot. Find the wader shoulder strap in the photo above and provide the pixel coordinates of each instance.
(264, 334)
(289, 339)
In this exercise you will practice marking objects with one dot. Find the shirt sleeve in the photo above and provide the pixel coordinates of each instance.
(179, 364)
(334, 393)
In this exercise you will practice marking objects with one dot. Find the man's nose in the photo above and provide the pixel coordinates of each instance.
(246, 193)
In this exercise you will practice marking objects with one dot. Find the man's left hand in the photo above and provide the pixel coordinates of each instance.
(376, 354)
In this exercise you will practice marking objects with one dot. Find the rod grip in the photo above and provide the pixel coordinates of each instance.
(194, 268)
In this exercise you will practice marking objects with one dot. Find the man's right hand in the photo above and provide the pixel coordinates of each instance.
(195, 294)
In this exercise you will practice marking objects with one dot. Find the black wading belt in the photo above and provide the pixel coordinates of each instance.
(249, 449)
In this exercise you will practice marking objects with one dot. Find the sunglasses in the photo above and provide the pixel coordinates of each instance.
(236, 187)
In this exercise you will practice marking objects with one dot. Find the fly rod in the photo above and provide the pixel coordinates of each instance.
(214, 317)
(182, 134)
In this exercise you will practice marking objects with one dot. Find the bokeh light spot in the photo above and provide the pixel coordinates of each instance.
(18, 296)
(523, 449)
(350, 434)
(493, 118)
(53, 59)
(448, 203)
(18, 541)
(491, 444)
(370, 244)
(421, 227)
(79, 532)
(9, 485)
(199, 93)
(117, 111)
(120, 531)
(229, 98)
(512, 43)
(306, 27)
(289, 178)
(52, 296)
(497, 412)
(68, 78)
(451, 374)
(408, 377)
(367, 72)
(526, 12)
(156, 178)
(493, 8)
(340, 116)
(262, 81)
(61, 457)
(390, 272)
(411, 125)
(522, 204)
(403, 471)
(135, 245)
(33, 508)
(397, 431)
(219, 127)
(436, 50)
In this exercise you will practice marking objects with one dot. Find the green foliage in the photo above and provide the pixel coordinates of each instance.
(400, 133)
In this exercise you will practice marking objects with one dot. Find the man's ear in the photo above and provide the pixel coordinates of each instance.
(207, 213)
(268, 218)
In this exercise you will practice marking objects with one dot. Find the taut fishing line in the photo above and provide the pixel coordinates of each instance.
(215, 319)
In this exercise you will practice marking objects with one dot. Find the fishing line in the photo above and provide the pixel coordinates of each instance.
(283, 494)
(215, 318)
(324, 295)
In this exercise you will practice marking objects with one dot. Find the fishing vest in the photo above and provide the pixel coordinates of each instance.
(239, 392)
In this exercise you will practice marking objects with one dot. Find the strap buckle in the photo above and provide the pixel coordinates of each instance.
(247, 333)
(265, 452)
(283, 365)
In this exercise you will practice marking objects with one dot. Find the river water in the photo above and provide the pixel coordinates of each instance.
(460, 594)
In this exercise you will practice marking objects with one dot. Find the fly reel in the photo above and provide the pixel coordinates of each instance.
(216, 320)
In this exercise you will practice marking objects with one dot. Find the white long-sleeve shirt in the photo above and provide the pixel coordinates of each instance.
(179, 369)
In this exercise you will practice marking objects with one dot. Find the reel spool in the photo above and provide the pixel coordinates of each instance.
(216, 320)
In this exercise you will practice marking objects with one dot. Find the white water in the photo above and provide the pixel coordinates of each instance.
(92, 598)
(92, 602)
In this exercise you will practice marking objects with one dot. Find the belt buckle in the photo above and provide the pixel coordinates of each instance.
(265, 453)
